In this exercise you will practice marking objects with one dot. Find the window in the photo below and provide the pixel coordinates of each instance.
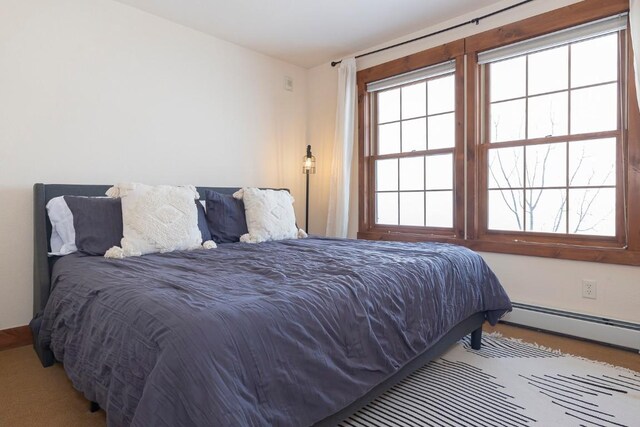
(414, 163)
(413, 145)
(529, 143)
(553, 133)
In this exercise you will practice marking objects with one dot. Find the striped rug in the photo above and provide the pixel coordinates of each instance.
(507, 383)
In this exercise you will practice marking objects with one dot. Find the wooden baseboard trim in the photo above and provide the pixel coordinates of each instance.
(15, 337)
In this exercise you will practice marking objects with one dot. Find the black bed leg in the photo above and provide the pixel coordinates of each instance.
(93, 407)
(476, 338)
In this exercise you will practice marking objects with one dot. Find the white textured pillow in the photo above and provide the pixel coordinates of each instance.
(63, 234)
(269, 214)
(159, 218)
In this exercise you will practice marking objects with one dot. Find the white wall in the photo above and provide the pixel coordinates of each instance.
(93, 91)
(556, 283)
(321, 115)
(541, 281)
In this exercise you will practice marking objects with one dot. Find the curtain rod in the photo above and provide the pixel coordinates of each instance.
(435, 33)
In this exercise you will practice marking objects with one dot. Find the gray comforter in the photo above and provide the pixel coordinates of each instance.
(281, 333)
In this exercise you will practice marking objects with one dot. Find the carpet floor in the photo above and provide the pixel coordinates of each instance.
(33, 396)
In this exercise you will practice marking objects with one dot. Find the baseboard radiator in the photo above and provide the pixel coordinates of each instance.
(608, 331)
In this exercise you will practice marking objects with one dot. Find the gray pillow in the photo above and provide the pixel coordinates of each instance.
(97, 222)
(225, 217)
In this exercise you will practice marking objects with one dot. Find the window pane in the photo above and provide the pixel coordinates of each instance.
(414, 135)
(439, 208)
(506, 167)
(389, 105)
(592, 211)
(508, 121)
(547, 165)
(508, 79)
(387, 175)
(548, 115)
(387, 208)
(505, 210)
(594, 61)
(389, 138)
(592, 163)
(412, 208)
(414, 100)
(442, 131)
(412, 173)
(546, 211)
(440, 172)
(549, 70)
(561, 187)
(441, 96)
(594, 109)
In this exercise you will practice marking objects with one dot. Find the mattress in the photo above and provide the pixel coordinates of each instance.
(280, 333)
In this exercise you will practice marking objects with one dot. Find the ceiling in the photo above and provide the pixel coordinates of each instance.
(304, 32)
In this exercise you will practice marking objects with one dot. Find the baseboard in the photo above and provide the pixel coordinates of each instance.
(608, 331)
(15, 337)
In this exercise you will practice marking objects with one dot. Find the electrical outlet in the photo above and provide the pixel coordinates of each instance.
(589, 289)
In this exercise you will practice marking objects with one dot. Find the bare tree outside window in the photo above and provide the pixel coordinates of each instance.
(523, 209)
(551, 159)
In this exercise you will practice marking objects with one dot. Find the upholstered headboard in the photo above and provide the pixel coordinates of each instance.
(42, 263)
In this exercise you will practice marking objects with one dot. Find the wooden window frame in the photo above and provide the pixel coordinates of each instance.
(373, 99)
(469, 208)
(367, 152)
(485, 145)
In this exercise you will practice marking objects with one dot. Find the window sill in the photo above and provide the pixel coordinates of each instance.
(546, 250)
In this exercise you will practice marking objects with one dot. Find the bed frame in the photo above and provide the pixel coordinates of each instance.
(43, 265)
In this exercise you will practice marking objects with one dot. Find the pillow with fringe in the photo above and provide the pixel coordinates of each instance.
(159, 218)
(270, 215)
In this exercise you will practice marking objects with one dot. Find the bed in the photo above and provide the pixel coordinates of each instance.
(295, 332)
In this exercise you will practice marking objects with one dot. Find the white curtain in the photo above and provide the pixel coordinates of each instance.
(344, 141)
(634, 23)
